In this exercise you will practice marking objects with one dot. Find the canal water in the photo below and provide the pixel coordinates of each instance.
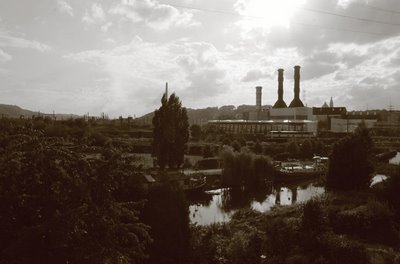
(219, 205)
(396, 159)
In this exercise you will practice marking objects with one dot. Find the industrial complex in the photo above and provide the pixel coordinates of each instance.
(297, 120)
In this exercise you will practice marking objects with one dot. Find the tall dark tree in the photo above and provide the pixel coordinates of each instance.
(306, 149)
(350, 166)
(171, 132)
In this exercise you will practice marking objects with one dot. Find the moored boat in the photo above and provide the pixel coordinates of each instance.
(194, 184)
(290, 171)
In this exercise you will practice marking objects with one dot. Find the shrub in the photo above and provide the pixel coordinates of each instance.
(372, 221)
(350, 166)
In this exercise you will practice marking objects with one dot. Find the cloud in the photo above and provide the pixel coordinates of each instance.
(7, 40)
(136, 71)
(106, 26)
(319, 64)
(95, 15)
(204, 70)
(364, 74)
(254, 75)
(153, 14)
(65, 8)
(4, 57)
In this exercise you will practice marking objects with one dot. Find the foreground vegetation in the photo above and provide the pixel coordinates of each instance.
(72, 194)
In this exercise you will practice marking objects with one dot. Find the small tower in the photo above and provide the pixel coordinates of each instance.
(258, 98)
(331, 103)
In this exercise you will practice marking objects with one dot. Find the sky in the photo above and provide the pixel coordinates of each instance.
(115, 56)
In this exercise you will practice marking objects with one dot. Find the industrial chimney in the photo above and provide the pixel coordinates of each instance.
(280, 103)
(258, 98)
(296, 100)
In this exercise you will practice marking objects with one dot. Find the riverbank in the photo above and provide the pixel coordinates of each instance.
(350, 227)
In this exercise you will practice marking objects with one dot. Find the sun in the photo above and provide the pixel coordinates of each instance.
(269, 13)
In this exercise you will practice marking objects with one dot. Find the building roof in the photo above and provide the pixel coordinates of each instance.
(329, 110)
(253, 122)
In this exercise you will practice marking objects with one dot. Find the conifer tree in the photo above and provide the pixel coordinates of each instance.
(170, 132)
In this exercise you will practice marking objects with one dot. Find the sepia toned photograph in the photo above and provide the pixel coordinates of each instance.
(199, 132)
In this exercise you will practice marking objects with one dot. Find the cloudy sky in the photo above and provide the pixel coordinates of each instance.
(114, 56)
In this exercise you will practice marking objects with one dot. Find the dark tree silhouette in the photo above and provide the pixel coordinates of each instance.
(167, 213)
(306, 149)
(207, 152)
(350, 166)
(293, 149)
(195, 131)
(171, 132)
(257, 147)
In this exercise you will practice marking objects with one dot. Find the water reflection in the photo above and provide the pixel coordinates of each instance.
(221, 204)
(378, 178)
(396, 159)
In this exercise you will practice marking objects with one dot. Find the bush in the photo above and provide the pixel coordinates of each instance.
(293, 149)
(208, 164)
(98, 139)
(207, 152)
(350, 166)
(195, 150)
(372, 221)
(313, 220)
(339, 249)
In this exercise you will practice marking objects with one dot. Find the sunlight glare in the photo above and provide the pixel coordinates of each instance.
(270, 12)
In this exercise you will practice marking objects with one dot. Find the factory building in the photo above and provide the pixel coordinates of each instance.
(280, 120)
(274, 128)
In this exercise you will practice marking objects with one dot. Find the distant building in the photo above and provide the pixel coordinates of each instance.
(349, 125)
(272, 128)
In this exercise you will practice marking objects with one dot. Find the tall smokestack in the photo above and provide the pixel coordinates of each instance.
(258, 98)
(280, 103)
(166, 90)
(296, 100)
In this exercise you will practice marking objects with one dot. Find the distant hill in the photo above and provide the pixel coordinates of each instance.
(200, 116)
(14, 111)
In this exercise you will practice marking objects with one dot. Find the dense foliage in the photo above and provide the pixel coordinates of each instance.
(195, 132)
(245, 169)
(350, 166)
(171, 132)
(167, 214)
(59, 207)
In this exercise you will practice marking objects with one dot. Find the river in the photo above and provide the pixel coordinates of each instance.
(396, 159)
(219, 205)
